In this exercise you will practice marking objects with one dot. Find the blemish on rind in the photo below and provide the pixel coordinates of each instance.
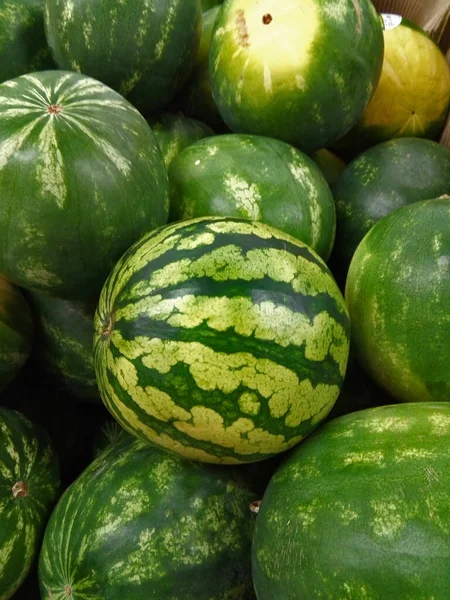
(242, 30)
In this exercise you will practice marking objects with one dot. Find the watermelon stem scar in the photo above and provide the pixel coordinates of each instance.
(267, 19)
(20, 490)
(255, 506)
(54, 109)
(68, 590)
(108, 326)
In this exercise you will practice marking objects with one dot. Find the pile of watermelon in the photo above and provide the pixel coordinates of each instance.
(224, 301)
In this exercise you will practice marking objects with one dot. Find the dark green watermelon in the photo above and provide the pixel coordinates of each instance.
(144, 49)
(140, 523)
(360, 510)
(23, 45)
(64, 343)
(29, 484)
(382, 179)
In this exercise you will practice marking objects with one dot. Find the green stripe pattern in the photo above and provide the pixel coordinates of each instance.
(29, 483)
(360, 510)
(63, 345)
(220, 339)
(144, 49)
(16, 332)
(139, 523)
(81, 179)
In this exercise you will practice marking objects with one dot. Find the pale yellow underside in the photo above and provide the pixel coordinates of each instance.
(414, 89)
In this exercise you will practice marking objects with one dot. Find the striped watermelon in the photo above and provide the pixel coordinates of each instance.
(220, 339)
(29, 483)
(174, 132)
(24, 46)
(63, 344)
(16, 332)
(144, 49)
(81, 190)
(139, 524)
(257, 178)
(360, 510)
(302, 72)
(398, 296)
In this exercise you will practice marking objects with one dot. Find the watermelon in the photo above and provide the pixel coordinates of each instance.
(29, 484)
(161, 38)
(24, 46)
(140, 523)
(220, 339)
(382, 179)
(81, 191)
(255, 178)
(63, 345)
(301, 72)
(413, 95)
(109, 433)
(16, 332)
(330, 164)
(196, 99)
(174, 132)
(360, 510)
(398, 296)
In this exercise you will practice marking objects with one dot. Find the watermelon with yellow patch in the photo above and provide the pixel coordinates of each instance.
(302, 72)
(360, 510)
(220, 339)
(413, 95)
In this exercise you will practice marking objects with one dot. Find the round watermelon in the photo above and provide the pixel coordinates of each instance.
(139, 523)
(302, 72)
(174, 132)
(63, 344)
(143, 49)
(23, 47)
(398, 296)
(16, 332)
(220, 339)
(360, 510)
(196, 99)
(382, 179)
(81, 190)
(255, 178)
(413, 95)
(29, 484)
